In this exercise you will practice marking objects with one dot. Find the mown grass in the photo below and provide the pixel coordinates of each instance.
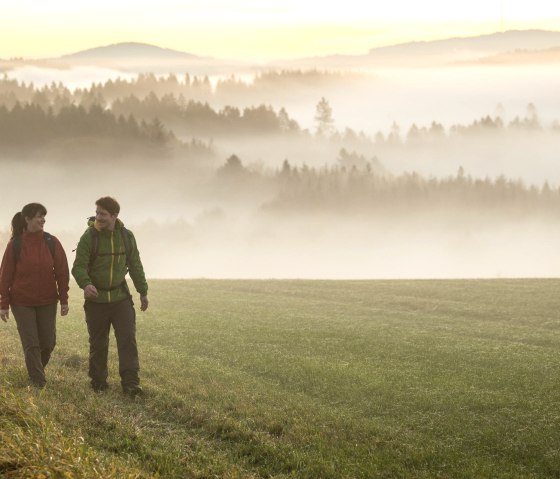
(303, 379)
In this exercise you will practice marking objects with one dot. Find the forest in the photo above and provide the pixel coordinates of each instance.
(188, 105)
(163, 110)
(234, 177)
(161, 117)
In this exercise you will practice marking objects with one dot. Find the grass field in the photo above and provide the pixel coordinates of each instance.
(303, 379)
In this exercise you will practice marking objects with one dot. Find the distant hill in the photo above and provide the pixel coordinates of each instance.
(142, 58)
(439, 52)
(488, 44)
(127, 51)
(522, 57)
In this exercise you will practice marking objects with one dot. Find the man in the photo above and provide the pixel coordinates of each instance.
(105, 252)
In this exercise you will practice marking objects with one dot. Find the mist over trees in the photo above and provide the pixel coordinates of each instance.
(370, 191)
(162, 117)
(215, 163)
(164, 109)
(231, 90)
(329, 167)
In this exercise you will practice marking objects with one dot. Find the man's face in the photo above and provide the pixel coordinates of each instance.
(104, 219)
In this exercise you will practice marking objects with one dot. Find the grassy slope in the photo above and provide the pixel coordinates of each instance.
(303, 379)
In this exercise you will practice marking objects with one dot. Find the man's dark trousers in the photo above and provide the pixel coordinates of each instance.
(99, 318)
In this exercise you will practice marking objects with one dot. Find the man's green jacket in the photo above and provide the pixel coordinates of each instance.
(108, 270)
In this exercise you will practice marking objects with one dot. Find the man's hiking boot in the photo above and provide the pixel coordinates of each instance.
(133, 391)
(99, 387)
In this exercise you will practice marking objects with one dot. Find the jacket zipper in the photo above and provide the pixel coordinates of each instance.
(112, 265)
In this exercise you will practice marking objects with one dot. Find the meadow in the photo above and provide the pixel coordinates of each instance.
(302, 379)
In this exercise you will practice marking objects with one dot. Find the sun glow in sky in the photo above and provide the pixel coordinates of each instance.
(257, 30)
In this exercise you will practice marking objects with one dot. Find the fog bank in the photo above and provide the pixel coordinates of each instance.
(357, 251)
(321, 219)
(197, 226)
(333, 251)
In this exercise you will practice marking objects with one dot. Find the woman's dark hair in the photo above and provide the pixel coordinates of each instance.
(109, 204)
(19, 225)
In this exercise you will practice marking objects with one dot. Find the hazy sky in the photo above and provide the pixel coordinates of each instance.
(256, 29)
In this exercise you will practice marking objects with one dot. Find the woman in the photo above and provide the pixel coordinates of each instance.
(33, 278)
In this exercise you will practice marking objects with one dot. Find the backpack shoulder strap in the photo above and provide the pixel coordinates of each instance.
(50, 242)
(94, 250)
(126, 240)
(16, 245)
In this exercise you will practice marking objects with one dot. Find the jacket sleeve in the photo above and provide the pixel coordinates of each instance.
(81, 262)
(135, 268)
(61, 273)
(7, 271)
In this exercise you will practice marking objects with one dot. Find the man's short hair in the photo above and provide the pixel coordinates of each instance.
(109, 204)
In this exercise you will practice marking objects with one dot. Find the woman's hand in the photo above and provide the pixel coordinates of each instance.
(64, 309)
(4, 314)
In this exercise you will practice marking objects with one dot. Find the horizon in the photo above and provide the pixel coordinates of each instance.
(252, 31)
(196, 54)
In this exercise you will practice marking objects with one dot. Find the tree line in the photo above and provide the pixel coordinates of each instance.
(135, 117)
(353, 190)
(30, 125)
(185, 104)
(199, 119)
(198, 88)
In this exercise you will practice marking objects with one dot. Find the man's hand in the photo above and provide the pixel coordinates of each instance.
(90, 291)
(4, 314)
(144, 303)
(64, 309)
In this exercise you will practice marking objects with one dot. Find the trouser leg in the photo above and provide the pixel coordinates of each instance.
(98, 323)
(26, 320)
(124, 325)
(46, 326)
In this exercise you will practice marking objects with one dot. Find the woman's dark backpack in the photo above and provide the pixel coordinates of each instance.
(16, 244)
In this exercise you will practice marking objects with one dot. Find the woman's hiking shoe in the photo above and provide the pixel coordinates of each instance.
(133, 391)
(99, 387)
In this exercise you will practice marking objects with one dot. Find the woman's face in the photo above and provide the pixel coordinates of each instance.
(35, 223)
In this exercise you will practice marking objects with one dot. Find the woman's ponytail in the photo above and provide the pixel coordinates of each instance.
(18, 224)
